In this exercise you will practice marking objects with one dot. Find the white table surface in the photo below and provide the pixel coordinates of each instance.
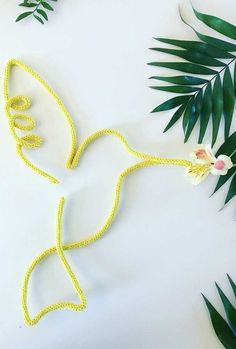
(168, 244)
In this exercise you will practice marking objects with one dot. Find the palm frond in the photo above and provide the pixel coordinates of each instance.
(225, 330)
(228, 148)
(209, 57)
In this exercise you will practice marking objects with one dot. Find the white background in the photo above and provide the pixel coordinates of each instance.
(168, 244)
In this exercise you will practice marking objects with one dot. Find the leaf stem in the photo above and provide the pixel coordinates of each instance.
(36, 8)
(218, 73)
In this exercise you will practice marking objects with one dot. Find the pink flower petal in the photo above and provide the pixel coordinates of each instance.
(219, 164)
(201, 154)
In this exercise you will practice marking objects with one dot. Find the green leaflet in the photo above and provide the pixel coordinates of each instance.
(193, 117)
(235, 79)
(217, 108)
(176, 89)
(25, 4)
(43, 14)
(47, 6)
(226, 332)
(232, 284)
(185, 67)
(172, 103)
(232, 190)
(181, 80)
(224, 179)
(229, 310)
(223, 45)
(192, 56)
(38, 18)
(227, 46)
(217, 24)
(206, 112)
(24, 15)
(190, 109)
(198, 46)
(177, 115)
(228, 147)
(229, 100)
(221, 327)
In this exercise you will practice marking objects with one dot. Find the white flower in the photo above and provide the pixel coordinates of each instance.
(205, 162)
(202, 154)
(221, 165)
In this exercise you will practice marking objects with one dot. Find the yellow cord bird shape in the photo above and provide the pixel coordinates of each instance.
(31, 141)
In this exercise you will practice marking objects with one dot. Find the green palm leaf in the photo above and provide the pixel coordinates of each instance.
(221, 327)
(218, 97)
(177, 115)
(232, 190)
(193, 117)
(181, 80)
(185, 67)
(223, 179)
(218, 43)
(235, 79)
(206, 112)
(217, 24)
(229, 310)
(190, 110)
(171, 103)
(176, 89)
(217, 108)
(224, 45)
(232, 284)
(198, 46)
(229, 100)
(225, 331)
(229, 149)
(191, 56)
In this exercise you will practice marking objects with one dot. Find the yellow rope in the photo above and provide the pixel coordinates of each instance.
(20, 104)
(71, 246)
(31, 141)
(59, 249)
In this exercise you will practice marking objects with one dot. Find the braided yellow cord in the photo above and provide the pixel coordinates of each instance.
(83, 243)
(59, 249)
(20, 104)
(32, 141)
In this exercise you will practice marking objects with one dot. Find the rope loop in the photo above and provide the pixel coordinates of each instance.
(28, 122)
(22, 122)
(31, 141)
(19, 103)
